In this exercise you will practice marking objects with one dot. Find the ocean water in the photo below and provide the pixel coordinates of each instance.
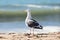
(50, 23)
(19, 26)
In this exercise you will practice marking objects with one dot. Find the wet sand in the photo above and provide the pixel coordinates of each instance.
(26, 36)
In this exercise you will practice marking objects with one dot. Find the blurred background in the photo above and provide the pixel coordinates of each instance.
(12, 15)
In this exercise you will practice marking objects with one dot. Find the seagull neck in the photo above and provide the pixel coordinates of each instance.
(29, 15)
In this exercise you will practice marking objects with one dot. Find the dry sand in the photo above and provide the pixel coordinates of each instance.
(25, 36)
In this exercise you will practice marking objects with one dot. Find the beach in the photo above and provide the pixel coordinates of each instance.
(13, 15)
(26, 36)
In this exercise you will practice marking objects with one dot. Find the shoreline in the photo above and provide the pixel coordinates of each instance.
(26, 36)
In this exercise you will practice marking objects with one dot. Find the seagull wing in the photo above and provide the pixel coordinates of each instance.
(33, 23)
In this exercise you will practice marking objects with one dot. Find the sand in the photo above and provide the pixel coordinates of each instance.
(26, 36)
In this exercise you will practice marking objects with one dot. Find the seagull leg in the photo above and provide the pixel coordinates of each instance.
(33, 31)
(30, 30)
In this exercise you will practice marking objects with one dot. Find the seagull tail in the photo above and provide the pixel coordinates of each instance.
(41, 27)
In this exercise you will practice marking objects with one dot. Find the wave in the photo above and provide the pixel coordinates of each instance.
(41, 6)
(20, 6)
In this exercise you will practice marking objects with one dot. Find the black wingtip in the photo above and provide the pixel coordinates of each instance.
(41, 27)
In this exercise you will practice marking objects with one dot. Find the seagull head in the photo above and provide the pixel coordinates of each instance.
(27, 10)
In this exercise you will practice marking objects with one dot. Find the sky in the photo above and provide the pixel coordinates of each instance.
(6, 2)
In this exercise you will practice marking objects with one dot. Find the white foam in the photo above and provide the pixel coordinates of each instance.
(42, 6)
(51, 28)
(35, 6)
(30, 6)
(47, 29)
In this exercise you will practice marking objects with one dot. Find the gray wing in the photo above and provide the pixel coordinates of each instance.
(33, 23)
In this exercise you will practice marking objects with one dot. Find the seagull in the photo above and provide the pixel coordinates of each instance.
(30, 22)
